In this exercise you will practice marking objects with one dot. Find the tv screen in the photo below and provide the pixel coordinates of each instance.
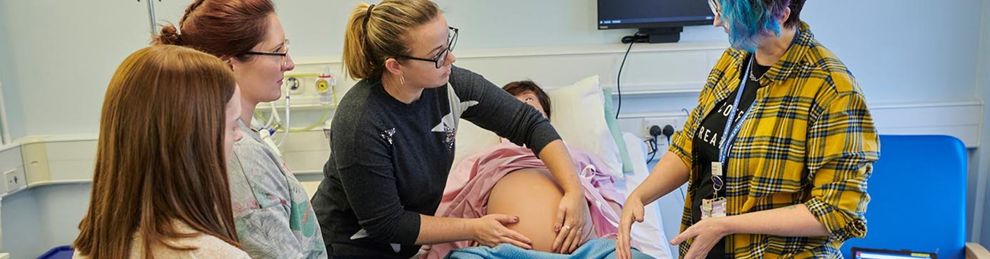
(616, 14)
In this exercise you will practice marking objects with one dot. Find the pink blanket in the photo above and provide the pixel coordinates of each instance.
(471, 181)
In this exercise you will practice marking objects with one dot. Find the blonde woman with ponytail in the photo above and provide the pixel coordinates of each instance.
(393, 141)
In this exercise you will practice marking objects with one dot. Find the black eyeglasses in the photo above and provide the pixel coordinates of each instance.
(282, 55)
(441, 57)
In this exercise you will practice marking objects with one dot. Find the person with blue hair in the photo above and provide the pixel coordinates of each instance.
(778, 150)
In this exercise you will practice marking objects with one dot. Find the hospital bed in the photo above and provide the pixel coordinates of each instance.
(579, 115)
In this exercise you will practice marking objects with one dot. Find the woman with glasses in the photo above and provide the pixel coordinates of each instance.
(392, 140)
(778, 150)
(272, 212)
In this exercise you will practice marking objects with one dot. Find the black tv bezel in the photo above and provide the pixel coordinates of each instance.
(706, 21)
(653, 25)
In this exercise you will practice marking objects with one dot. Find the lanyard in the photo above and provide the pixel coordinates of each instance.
(716, 206)
(727, 136)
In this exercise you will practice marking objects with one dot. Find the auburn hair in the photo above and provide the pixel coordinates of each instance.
(225, 29)
(160, 155)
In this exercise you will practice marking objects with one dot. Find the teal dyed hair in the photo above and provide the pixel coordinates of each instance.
(749, 20)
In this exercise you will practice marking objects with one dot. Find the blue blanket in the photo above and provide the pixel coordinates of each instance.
(595, 248)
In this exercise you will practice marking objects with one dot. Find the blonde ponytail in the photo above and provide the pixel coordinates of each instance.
(356, 60)
(377, 32)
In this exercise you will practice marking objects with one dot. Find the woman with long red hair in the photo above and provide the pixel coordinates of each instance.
(160, 186)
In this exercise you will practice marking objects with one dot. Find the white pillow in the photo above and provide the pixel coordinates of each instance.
(471, 139)
(578, 115)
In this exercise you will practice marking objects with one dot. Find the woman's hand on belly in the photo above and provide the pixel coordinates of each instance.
(490, 231)
(571, 213)
(533, 196)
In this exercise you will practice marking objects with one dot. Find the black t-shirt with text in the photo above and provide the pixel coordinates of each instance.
(706, 145)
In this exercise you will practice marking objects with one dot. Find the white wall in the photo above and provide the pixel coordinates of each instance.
(903, 51)
(62, 54)
(46, 217)
(484, 24)
(12, 105)
(898, 54)
(56, 62)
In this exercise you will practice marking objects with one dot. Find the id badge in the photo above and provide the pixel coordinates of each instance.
(706, 208)
(717, 169)
(718, 207)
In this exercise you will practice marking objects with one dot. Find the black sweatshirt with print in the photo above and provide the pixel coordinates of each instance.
(389, 160)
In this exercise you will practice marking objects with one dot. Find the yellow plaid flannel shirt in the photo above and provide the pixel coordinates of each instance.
(809, 140)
